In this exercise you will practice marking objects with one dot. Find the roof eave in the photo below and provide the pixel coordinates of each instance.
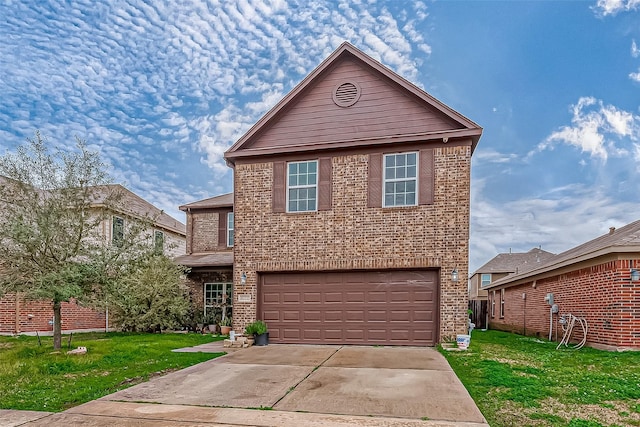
(545, 271)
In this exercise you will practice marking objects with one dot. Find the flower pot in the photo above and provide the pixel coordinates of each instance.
(262, 339)
(224, 330)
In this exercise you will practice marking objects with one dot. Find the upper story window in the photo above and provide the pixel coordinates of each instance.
(158, 241)
(485, 280)
(302, 186)
(117, 231)
(400, 179)
(230, 229)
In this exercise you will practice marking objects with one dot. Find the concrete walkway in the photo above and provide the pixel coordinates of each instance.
(300, 385)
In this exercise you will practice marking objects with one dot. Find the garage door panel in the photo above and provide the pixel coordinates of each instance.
(391, 307)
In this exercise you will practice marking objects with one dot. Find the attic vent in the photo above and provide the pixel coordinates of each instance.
(346, 94)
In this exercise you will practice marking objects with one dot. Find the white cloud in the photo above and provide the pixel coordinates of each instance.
(492, 156)
(558, 220)
(635, 76)
(595, 129)
(635, 51)
(612, 7)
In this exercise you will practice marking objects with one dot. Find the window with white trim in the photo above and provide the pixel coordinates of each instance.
(117, 231)
(158, 241)
(485, 280)
(230, 229)
(493, 304)
(400, 186)
(501, 303)
(218, 300)
(302, 186)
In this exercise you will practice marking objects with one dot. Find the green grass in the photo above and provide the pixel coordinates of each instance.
(524, 381)
(34, 377)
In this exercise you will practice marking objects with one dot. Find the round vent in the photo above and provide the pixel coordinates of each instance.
(346, 94)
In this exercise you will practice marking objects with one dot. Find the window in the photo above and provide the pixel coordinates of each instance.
(493, 304)
(158, 241)
(400, 179)
(218, 300)
(117, 231)
(485, 280)
(230, 229)
(501, 303)
(302, 188)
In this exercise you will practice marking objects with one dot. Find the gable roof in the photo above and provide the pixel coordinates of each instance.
(623, 240)
(512, 262)
(462, 128)
(132, 204)
(221, 201)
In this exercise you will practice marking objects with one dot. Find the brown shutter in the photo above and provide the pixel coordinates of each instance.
(279, 199)
(426, 177)
(375, 181)
(324, 184)
(222, 229)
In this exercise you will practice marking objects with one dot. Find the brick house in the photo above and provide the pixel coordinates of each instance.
(598, 281)
(500, 266)
(209, 253)
(19, 316)
(351, 209)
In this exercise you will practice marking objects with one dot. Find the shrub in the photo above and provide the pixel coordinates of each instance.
(256, 328)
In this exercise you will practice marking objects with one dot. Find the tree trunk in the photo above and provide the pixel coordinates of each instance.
(57, 325)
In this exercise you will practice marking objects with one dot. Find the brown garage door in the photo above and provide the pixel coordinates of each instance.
(379, 307)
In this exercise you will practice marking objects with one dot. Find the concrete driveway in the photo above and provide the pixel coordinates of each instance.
(294, 385)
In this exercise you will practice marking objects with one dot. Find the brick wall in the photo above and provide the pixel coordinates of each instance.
(204, 237)
(601, 293)
(30, 316)
(354, 236)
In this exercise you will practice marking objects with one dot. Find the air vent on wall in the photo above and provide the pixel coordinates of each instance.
(346, 94)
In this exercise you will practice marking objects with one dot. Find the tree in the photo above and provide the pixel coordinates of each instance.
(52, 205)
(150, 296)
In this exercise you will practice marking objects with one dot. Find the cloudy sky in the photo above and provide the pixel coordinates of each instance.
(163, 88)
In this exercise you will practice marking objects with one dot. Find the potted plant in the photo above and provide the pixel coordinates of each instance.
(225, 325)
(210, 320)
(258, 330)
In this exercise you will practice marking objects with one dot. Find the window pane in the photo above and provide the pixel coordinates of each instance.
(302, 168)
(411, 172)
(400, 160)
(411, 199)
(411, 159)
(390, 161)
(313, 167)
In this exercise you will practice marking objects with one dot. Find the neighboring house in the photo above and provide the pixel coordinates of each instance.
(598, 281)
(209, 253)
(168, 234)
(352, 211)
(500, 266)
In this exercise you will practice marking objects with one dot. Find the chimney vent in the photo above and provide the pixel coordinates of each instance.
(612, 230)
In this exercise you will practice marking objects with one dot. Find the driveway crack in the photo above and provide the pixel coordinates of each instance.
(293, 387)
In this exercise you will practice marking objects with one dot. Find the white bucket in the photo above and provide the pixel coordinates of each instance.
(463, 341)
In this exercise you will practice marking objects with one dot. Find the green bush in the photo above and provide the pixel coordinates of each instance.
(256, 328)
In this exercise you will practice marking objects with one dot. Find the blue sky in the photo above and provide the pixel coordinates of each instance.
(162, 89)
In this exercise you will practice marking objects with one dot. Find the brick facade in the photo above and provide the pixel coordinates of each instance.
(602, 293)
(352, 236)
(18, 316)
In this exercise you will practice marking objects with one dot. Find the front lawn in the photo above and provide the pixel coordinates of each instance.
(524, 381)
(33, 377)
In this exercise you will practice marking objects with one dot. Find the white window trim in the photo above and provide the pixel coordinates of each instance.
(385, 180)
(502, 303)
(225, 290)
(482, 281)
(230, 229)
(113, 226)
(493, 304)
(302, 186)
(155, 233)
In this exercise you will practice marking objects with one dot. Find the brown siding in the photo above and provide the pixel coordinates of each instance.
(222, 229)
(381, 111)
